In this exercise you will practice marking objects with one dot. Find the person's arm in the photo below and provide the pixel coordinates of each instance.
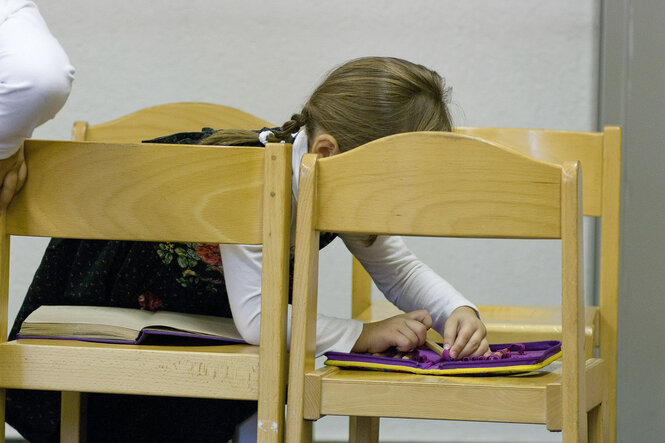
(413, 286)
(242, 274)
(35, 81)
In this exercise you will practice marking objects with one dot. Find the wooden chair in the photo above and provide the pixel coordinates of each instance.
(68, 195)
(600, 156)
(166, 119)
(442, 184)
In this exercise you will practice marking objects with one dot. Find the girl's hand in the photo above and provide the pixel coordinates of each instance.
(465, 334)
(404, 331)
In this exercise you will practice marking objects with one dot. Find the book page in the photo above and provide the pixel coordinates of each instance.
(199, 324)
(135, 319)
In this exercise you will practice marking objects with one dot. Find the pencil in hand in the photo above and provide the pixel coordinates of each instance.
(432, 345)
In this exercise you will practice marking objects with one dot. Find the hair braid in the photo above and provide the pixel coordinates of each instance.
(297, 121)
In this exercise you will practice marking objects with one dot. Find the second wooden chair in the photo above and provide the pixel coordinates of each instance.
(442, 184)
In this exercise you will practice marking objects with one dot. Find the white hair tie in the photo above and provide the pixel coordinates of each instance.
(263, 137)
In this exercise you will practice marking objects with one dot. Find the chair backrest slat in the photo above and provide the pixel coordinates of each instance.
(490, 192)
(160, 120)
(79, 190)
(556, 147)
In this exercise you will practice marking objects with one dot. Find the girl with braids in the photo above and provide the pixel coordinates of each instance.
(361, 101)
(358, 102)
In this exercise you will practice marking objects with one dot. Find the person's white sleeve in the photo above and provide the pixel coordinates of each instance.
(405, 281)
(35, 74)
(242, 274)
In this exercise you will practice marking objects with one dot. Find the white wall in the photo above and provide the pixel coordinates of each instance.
(511, 63)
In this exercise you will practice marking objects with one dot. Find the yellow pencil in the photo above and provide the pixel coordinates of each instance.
(431, 344)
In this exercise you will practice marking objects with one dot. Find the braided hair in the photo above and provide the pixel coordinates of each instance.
(243, 137)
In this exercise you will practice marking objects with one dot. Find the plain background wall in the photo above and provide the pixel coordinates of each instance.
(511, 63)
(633, 95)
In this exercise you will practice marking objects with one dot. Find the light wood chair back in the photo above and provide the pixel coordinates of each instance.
(100, 190)
(600, 156)
(441, 184)
(165, 119)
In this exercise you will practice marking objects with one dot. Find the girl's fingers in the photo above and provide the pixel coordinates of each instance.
(422, 316)
(473, 345)
(412, 333)
(463, 336)
(456, 334)
(407, 338)
(419, 329)
(402, 342)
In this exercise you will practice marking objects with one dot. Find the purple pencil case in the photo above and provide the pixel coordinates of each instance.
(507, 358)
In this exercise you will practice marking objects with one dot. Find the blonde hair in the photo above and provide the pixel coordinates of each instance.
(363, 100)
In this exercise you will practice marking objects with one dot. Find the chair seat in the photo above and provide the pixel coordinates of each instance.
(68, 365)
(493, 398)
(510, 324)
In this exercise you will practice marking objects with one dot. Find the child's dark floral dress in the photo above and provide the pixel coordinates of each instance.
(184, 277)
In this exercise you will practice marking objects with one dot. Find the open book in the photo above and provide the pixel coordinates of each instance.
(124, 325)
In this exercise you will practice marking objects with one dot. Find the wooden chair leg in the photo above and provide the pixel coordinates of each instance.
(2, 415)
(599, 422)
(299, 430)
(72, 417)
(363, 429)
(598, 428)
(307, 435)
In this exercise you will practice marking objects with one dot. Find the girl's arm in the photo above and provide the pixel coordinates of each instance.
(242, 274)
(411, 286)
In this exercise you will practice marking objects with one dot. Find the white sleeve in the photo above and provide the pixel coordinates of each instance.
(242, 274)
(404, 280)
(35, 74)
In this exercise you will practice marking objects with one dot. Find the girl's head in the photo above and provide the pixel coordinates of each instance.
(372, 97)
(363, 100)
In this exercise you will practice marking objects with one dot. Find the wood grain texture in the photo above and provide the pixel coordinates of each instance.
(433, 397)
(72, 424)
(608, 280)
(274, 290)
(5, 240)
(450, 196)
(101, 190)
(595, 394)
(555, 147)
(303, 318)
(572, 304)
(361, 289)
(2, 413)
(363, 429)
(65, 365)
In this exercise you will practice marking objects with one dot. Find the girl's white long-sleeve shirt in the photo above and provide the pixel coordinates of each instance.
(404, 280)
